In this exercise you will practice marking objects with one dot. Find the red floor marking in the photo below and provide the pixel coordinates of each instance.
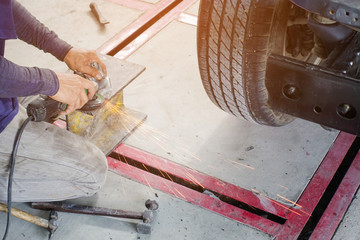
(126, 36)
(192, 196)
(296, 217)
(135, 4)
(188, 18)
(339, 203)
(316, 187)
(154, 29)
(60, 123)
(204, 180)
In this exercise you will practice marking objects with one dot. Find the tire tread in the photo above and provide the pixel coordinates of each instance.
(233, 42)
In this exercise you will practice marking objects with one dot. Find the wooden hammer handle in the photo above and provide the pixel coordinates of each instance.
(26, 216)
(96, 11)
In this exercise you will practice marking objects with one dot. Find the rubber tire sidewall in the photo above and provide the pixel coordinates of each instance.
(234, 41)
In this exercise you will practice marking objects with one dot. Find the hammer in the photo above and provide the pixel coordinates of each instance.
(148, 217)
(96, 11)
(143, 227)
(50, 224)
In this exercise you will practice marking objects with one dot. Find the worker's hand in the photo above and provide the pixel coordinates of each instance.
(80, 59)
(72, 91)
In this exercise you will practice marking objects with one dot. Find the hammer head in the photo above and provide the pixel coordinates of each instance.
(151, 205)
(148, 217)
(143, 228)
(53, 217)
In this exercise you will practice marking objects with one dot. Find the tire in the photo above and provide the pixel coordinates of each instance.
(234, 39)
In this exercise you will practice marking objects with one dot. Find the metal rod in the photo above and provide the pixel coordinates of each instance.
(89, 210)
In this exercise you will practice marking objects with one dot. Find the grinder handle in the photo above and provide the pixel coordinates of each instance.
(44, 109)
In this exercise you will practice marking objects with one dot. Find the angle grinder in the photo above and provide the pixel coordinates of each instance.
(103, 89)
(45, 108)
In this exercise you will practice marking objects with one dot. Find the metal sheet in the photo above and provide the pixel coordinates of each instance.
(121, 72)
(112, 123)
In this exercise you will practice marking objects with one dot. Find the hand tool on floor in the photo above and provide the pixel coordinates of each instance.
(143, 227)
(96, 11)
(50, 224)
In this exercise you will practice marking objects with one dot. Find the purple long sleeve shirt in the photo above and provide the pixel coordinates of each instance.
(17, 81)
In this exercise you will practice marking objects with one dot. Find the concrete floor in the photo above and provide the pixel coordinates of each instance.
(349, 228)
(286, 156)
(182, 126)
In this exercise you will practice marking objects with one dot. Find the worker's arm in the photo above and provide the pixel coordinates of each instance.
(23, 81)
(32, 31)
(18, 81)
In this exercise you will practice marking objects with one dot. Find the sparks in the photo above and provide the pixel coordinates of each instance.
(237, 163)
(145, 167)
(283, 186)
(279, 204)
(194, 179)
(180, 194)
(284, 198)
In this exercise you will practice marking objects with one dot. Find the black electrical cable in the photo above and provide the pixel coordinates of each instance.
(11, 172)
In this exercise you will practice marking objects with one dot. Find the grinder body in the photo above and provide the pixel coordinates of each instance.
(46, 108)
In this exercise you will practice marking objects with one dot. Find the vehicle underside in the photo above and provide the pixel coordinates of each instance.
(271, 61)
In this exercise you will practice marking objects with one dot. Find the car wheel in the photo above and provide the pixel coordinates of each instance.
(234, 40)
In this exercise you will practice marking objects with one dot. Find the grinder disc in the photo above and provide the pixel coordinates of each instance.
(95, 103)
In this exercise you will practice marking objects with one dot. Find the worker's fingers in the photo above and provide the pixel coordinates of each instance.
(103, 67)
(90, 87)
(83, 99)
(74, 90)
(81, 59)
(93, 55)
(91, 71)
(69, 109)
(76, 104)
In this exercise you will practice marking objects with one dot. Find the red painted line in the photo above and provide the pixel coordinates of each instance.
(296, 217)
(339, 203)
(135, 4)
(60, 123)
(207, 182)
(132, 31)
(316, 188)
(154, 29)
(192, 196)
(188, 19)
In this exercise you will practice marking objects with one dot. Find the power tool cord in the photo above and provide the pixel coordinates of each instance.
(11, 172)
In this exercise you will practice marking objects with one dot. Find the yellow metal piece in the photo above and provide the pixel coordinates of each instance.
(108, 126)
(80, 122)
